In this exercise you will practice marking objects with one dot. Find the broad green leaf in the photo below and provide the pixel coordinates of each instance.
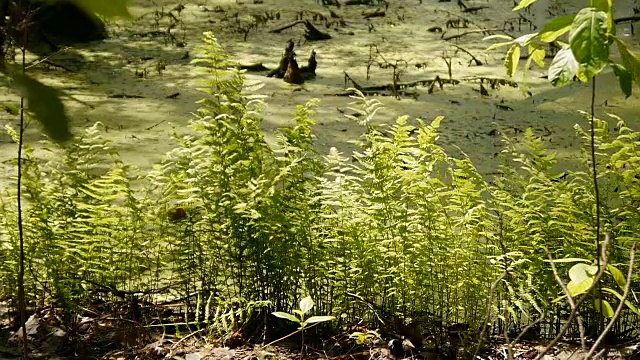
(615, 272)
(499, 45)
(556, 28)
(576, 289)
(524, 4)
(287, 316)
(605, 308)
(629, 59)
(537, 55)
(45, 104)
(580, 272)
(512, 59)
(625, 79)
(317, 319)
(607, 7)
(568, 260)
(524, 40)
(106, 8)
(626, 302)
(12, 109)
(563, 68)
(306, 304)
(588, 40)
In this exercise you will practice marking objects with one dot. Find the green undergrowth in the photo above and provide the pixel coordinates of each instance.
(236, 225)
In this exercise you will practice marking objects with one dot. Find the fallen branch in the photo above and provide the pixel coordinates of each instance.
(125, 96)
(633, 18)
(447, 38)
(283, 28)
(473, 58)
(376, 89)
(473, 10)
(372, 14)
(156, 124)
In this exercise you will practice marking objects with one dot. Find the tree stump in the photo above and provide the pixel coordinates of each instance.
(309, 71)
(284, 62)
(293, 74)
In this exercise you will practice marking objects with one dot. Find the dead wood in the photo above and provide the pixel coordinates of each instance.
(633, 18)
(374, 13)
(365, 2)
(125, 96)
(280, 29)
(475, 31)
(400, 85)
(309, 71)
(330, 2)
(473, 10)
(253, 67)
(353, 82)
(313, 34)
(473, 58)
(284, 61)
(293, 74)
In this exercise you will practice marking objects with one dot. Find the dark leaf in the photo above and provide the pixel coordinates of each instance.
(625, 79)
(45, 104)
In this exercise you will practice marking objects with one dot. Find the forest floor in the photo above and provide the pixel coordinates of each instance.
(103, 83)
(117, 82)
(108, 336)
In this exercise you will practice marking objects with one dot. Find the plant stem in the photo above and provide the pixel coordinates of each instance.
(594, 169)
(21, 294)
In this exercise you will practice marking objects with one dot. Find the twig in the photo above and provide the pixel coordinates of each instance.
(616, 315)
(46, 59)
(473, 58)
(574, 310)
(156, 124)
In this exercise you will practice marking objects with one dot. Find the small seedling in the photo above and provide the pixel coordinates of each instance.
(298, 316)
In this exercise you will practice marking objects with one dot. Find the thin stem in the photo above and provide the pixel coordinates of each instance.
(594, 169)
(21, 293)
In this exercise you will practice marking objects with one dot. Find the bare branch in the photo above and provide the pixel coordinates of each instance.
(616, 315)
